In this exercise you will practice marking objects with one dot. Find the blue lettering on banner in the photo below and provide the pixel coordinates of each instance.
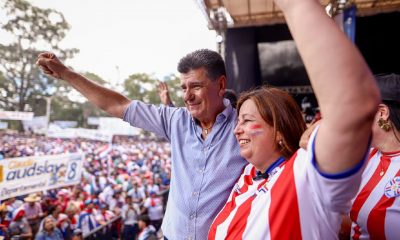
(34, 170)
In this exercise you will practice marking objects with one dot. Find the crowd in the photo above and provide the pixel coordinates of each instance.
(126, 181)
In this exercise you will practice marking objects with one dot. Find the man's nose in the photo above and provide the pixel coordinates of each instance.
(187, 95)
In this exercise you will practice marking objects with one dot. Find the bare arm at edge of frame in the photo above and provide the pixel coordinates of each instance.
(344, 86)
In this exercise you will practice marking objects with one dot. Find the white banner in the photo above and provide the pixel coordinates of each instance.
(16, 115)
(94, 134)
(66, 124)
(3, 125)
(20, 176)
(117, 126)
(93, 120)
(57, 132)
(36, 125)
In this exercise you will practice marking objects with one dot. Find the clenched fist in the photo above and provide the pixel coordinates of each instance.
(51, 65)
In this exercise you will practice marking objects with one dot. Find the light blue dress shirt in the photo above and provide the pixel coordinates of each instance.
(203, 171)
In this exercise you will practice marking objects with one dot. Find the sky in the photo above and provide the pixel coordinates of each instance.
(117, 38)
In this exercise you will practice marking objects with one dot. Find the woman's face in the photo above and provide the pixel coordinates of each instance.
(49, 224)
(255, 137)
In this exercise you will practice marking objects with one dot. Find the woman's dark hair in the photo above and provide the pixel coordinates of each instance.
(389, 86)
(52, 208)
(394, 112)
(145, 218)
(281, 112)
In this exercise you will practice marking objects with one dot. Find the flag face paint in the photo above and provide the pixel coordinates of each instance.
(256, 129)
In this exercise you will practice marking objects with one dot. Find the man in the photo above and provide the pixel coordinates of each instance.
(19, 226)
(154, 208)
(87, 218)
(129, 213)
(147, 231)
(205, 155)
(33, 211)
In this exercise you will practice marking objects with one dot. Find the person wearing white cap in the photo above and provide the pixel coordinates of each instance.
(19, 226)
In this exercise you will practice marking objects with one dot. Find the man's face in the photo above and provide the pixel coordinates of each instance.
(201, 95)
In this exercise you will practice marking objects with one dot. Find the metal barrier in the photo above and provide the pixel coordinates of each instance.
(94, 234)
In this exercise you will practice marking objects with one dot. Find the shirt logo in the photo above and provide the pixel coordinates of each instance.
(274, 171)
(237, 188)
(392, 188)
(263, 189)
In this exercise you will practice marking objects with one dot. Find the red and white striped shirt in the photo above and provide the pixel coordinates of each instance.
(376, 209)
(295, 202)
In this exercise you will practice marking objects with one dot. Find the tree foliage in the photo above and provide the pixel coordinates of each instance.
(143, 87)
(33, 30)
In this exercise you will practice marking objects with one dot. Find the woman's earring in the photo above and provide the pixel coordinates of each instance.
(384, 124)
(280, 142)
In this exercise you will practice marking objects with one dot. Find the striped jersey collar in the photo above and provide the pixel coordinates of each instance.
(265, 175)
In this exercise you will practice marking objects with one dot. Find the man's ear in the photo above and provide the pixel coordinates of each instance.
(221, 85)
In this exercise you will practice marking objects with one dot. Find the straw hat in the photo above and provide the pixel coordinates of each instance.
(3, 208)
(32, 198)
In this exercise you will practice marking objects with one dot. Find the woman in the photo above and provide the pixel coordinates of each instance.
(275, 187)
(279, 196)
(49, 231)
(375, 212)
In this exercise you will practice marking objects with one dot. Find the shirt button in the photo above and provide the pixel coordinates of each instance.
(200, 170)
(192, 216)
(195, 194)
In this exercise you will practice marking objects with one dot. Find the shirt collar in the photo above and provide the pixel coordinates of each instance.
(266, 174)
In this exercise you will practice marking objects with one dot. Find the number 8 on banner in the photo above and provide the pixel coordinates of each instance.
(72, 168)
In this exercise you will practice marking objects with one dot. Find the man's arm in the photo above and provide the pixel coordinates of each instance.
(344, 86)
(108, 100)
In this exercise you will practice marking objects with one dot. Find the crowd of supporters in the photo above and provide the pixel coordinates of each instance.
(126, 181)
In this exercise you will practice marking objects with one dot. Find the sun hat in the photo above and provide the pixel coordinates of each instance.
(32, 198)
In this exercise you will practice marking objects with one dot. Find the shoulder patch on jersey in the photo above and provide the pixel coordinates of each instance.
(237, 188)
(392, 188)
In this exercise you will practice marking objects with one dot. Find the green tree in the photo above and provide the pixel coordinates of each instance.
(143, 87)
(88, 109)
(64, 109)
(95, 77)
(33, 30)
